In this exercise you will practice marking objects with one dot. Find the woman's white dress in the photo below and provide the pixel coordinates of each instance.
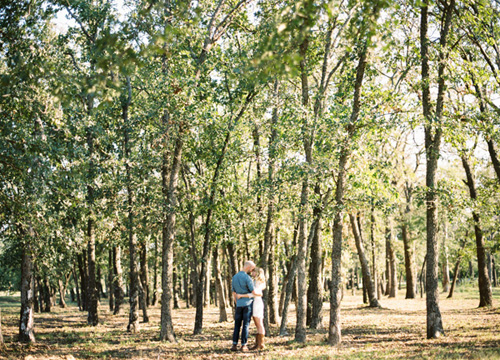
(258, 304)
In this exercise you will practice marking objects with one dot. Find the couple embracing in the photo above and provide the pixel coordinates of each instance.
(247, 292)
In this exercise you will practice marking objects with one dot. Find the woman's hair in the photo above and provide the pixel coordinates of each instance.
(260, 277)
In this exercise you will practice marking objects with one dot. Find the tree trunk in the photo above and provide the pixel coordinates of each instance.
(391, 257)
(118, 279)
(82, 269)
(27, 322)
(365, 268)
(272, 284)
(334, 334)
(175, 280)
(457, 267)
(145, 271)
(92, 291)
(433, 134)
(46, 295)
(62, 293)
(219, 286)
(288, 283)
(408, 249)
(206, 295)
(445, 266)
(133, 320)
(170, 195)
(154, 301)
(2, 346)
(315, 290)
(485, 292)
(111, 281)
(374, 258)
(494, 270)
(78, 297)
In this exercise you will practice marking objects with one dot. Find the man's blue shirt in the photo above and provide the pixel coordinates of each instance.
(243, 284)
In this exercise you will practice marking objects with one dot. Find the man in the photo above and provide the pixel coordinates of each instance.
(242, 284)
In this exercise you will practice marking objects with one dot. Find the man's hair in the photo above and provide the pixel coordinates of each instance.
(249, 263)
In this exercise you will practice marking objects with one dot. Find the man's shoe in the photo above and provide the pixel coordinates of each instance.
(244, 348)
(235, 347)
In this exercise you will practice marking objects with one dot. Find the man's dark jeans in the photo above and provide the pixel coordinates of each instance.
(243, 314)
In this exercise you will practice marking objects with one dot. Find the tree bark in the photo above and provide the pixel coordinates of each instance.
(374, 258)
(433, 134)
(334, 333)
(456, 268)
(170, 195)
(154, 300)
(408, 249)
(485, 292)
(144, 275)
(118, 279)
(391, 259)
(92, 293)
(315, 290)
(365, 268)
(2, 346)
(219, 286)
(445, 265)
(27, 322)
(62, 292)
(111, 275)
(82, 269)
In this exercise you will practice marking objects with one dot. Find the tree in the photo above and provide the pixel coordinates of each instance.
(433, 134)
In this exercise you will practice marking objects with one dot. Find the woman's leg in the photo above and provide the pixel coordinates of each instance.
(259, 323)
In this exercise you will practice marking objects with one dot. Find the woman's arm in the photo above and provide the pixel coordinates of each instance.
(249, 295)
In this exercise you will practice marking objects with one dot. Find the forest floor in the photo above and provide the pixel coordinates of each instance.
(395, 331)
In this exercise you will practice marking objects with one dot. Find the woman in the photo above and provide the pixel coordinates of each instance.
(259, 280)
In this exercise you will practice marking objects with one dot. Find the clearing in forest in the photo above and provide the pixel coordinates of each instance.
(396, 331)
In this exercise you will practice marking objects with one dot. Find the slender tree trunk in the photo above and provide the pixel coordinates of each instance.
(391, 258)
(175, 280)
(273, 286)
(334, 334)
(133, 321)
(485, 292)
(81, 258)
(445, 266)
(288, 295)
(62, 293)
(111, 281)
(315, 290)
(219, 286)
(457, 267)
(368, 283)
(2, 345)
(433, 134)
(118, 280)
(78, 298)
(374, 257)
(46, 295)
(206, 295)
(154, 301)
(494, 270)
(92, 291)
(170, 195)
(27, 322)
(145, 271)
(288, 283)
(267, 257)
(407, 244)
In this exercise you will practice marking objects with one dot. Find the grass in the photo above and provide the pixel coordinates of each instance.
(395, 331)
